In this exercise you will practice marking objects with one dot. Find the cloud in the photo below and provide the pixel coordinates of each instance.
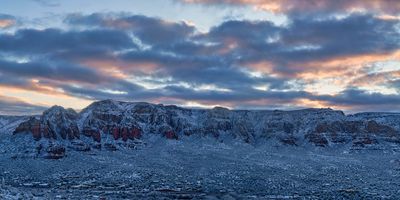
(152, 31)
(7, 21)
(378, 78)
(355, 34)
(301, 7)
(306, 44)
(48, 3)
(65, 43)
(395, 84)
(198, 70)
(238, 63)
(361, 100)
(15, 106)
(51, 70)
(291, 49)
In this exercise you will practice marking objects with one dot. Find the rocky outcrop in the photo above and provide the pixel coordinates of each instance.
(62, 122)
(79, 146)
(55, 152)
(317, 139)
(32, 126)
(92, 133)
(110, 125)
(55, 123)
(171, 135)
(359, 133)
(290, 140)
(110, 147)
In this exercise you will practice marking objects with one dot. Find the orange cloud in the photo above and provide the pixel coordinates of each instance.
(44, 99)
(32, 85)
(307, 103)
(286, 6)
(341, 66)
(5, 23)
(263, 66)
(389, 17)
(229, 45)
(118, 69)
(35, 87)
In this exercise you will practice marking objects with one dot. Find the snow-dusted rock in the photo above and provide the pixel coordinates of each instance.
(9, 123)
(55, 123)
(110, 124)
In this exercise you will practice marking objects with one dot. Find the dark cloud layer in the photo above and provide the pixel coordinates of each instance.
(361, 100)
(134, 57)
(152, 31)
(306, 40)
(51, 70)
(64, 43)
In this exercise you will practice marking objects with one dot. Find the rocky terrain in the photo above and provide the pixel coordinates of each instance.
(115, 150)
(108, 124)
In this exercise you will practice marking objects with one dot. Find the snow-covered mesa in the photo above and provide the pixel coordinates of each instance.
(112, 125)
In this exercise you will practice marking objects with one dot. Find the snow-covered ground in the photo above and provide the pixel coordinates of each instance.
(203, 168)
(200, 154)
(9, 123)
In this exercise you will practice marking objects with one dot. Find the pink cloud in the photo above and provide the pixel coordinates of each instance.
(299, 6)
(5, 23)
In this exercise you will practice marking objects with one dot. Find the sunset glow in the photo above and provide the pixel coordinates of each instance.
(255, 55)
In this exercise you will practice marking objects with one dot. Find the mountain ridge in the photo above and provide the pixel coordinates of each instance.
(111, 125)
(197, 108)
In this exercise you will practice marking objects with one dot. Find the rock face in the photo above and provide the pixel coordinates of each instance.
(109, 118)
(126, 123)
(360, 133)
(55, 123)
(31, 126)
(55, 152)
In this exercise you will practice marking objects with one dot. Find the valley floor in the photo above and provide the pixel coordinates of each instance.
(209, 170)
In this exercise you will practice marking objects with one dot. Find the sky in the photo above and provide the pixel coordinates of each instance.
(239, 54)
